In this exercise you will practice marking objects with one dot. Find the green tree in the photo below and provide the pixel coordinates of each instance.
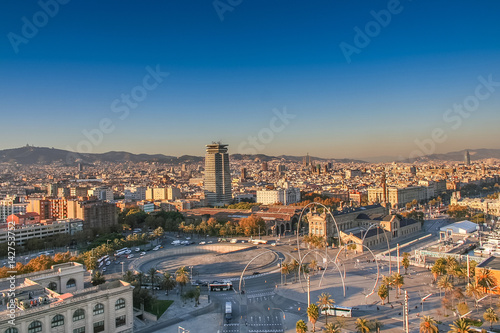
(445, 284)
(387, 281)
(286, 269)
(491, 316)
(398, 280)
(168, 282)
(406, 261)
(485, 279)
(129, 277)
(332, 328)
(182, 276)
(428, 325)
(152, 276)
(383, 292)
(313, 315)
(460, 326)
(325, 301)
(301, 326)
(362, 325)
(97, 279)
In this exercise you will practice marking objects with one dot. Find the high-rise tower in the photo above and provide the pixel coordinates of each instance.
(467, 158)
(217, 175)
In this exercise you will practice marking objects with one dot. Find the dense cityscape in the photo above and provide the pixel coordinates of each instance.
(144, 239)
(232, 166)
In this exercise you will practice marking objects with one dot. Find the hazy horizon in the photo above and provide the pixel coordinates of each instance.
(335, 80)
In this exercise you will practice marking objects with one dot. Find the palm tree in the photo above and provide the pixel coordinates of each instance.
(491, 316)
(406, 261)
(387, 281)
(139, 278)
(152, 275)
(285, 270)
(182, 276)
(295, 268)
(313, 265)
(451, 266)
(325, 301)
(486, 279)
(428, 325)
(445, 283)
(313, 314)
(128, 276)
(362, 325)
(168, 282)
(398, 281)
(332, 328)
(301, 327)
(383, 293)
(460, 326)
(473, 290)
(438, 269)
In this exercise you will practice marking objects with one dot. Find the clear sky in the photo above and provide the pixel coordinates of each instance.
(356, 78)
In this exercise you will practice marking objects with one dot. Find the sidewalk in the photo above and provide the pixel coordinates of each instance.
(180, 314)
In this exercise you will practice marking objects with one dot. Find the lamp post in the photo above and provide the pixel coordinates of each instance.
(284, 317)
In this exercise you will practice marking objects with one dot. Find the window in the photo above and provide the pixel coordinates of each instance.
(52, 286)
(79, 330)
(78, 315)
(120, 304)
(99, 326)
(71, 283)
(11, 330)
(58, 320)
(98, 309)
(119, 321)
(35, 326)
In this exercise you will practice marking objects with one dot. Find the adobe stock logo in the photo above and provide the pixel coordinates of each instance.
(372, 29)
(277, 124)
(455, 117)
(30, 28)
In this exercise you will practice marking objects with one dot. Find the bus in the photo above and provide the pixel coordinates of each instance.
(102, 261)
(220, 285)
(338, 311)
(125, 250)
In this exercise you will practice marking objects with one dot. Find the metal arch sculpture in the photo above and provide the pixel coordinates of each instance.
(343, 248)
(326, 235)
(248, 264)
(387, 240)
(342, 277)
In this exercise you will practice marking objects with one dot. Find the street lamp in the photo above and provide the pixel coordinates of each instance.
(423, 300)
(284, 317)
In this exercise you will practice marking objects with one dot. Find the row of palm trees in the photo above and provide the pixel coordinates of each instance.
(396, 280)
(165, 281)
(462, 325)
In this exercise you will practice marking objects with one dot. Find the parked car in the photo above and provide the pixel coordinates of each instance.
(203, 243)
(130, 256)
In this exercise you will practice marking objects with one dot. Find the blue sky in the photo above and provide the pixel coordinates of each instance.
(227, 76)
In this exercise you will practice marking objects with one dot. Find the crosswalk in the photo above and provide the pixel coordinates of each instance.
(231, 328)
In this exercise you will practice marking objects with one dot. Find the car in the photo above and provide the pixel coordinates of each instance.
(155, 249)
(192, 242)
(188, 238)
(273, 244)
(209, 242)
(108, 263)
(137, 249)
(130, 256)
(143, 253)
(104, 269)
(203, 243)
(256, 273)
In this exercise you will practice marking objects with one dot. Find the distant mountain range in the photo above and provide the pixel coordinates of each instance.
(44, 155)
(475, 155)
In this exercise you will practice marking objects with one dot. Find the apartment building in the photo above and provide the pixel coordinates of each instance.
(58, 301)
